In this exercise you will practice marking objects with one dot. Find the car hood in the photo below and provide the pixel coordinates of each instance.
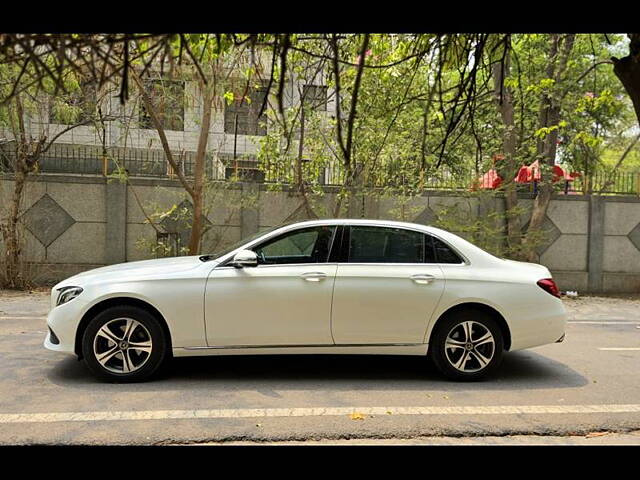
(137, 270)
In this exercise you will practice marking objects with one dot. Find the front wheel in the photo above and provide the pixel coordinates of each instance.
(467, 346)
(124, 344)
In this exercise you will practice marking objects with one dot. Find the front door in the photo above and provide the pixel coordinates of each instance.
(284, 301)
(385, 291)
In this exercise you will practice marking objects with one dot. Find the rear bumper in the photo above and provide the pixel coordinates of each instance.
(540, 328)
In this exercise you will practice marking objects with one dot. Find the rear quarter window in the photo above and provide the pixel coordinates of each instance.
(443, 253)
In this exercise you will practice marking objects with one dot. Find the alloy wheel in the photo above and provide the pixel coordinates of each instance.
(469, 346)
(122, 345)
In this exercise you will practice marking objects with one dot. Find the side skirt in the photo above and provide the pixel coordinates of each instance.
(404, 349)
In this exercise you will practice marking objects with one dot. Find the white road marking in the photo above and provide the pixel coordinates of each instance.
(605, 322)
(311, 412)
(21, 317)
(619, 349)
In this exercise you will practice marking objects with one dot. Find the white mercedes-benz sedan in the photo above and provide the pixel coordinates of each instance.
(324, 286)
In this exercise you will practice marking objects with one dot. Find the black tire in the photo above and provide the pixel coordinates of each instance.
(454, 324)
(150, 331)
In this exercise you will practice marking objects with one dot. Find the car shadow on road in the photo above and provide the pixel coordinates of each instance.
(521, 370)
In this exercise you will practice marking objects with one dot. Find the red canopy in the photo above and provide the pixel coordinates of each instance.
(490, 180)
(529, 174)
(526, 174)
(559, 173)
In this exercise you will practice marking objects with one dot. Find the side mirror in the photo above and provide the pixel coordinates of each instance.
(244, 258)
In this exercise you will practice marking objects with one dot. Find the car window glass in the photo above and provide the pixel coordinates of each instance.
(232, 247)
(385, 245)
(307, 245)
(443, 252)
(429, 251)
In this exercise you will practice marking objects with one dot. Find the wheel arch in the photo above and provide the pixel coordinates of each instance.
(495, 314)
(119, 302)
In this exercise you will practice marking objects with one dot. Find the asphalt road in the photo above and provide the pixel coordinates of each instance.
(580, 389)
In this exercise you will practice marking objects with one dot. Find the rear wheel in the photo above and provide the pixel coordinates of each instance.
(124, 344)
(467, 345)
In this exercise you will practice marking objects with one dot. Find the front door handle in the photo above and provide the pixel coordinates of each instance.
(314, 276)
(423, 278)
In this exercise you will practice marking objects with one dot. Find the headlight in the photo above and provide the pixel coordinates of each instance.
(67, 294)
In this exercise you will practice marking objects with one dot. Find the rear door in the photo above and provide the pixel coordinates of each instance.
(387, 286)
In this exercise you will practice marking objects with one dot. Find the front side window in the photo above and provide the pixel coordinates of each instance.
(222, 252)
(385, 245)
(307, 245)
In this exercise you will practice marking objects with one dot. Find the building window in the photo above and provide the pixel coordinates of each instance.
(167, 98)
(75, 107)
(246, 170)
(315, 97)
(241, 116)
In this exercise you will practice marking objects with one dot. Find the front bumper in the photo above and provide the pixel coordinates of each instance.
(64, 321)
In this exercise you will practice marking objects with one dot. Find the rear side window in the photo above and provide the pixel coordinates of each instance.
(443, 253)
(385, 245)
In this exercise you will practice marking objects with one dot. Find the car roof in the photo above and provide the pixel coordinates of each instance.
(359, 221)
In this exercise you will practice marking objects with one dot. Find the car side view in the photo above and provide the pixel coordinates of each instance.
(315, 287)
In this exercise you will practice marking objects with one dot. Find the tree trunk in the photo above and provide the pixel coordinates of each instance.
(346, 144)
(14, 277)
(13, 274)
(194, 190)
(538, 213)
(199, 173)
(509, 166)
(299, 173)
(627, 69)
(541, 202)
(550, 114)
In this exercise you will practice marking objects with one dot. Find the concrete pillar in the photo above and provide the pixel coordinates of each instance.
(250, 214)
(595, 245)
(116, 228)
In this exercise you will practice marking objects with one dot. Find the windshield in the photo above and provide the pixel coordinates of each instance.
(231, 248)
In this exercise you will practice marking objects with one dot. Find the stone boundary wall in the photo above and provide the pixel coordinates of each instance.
(76, 223)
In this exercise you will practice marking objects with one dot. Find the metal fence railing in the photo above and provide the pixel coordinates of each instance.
(138, 162)
(614, 182)
(88, 160)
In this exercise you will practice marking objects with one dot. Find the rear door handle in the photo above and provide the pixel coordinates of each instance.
(314, 276)
(423, 278)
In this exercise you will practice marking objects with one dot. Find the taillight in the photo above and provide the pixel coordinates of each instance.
(549, 286)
